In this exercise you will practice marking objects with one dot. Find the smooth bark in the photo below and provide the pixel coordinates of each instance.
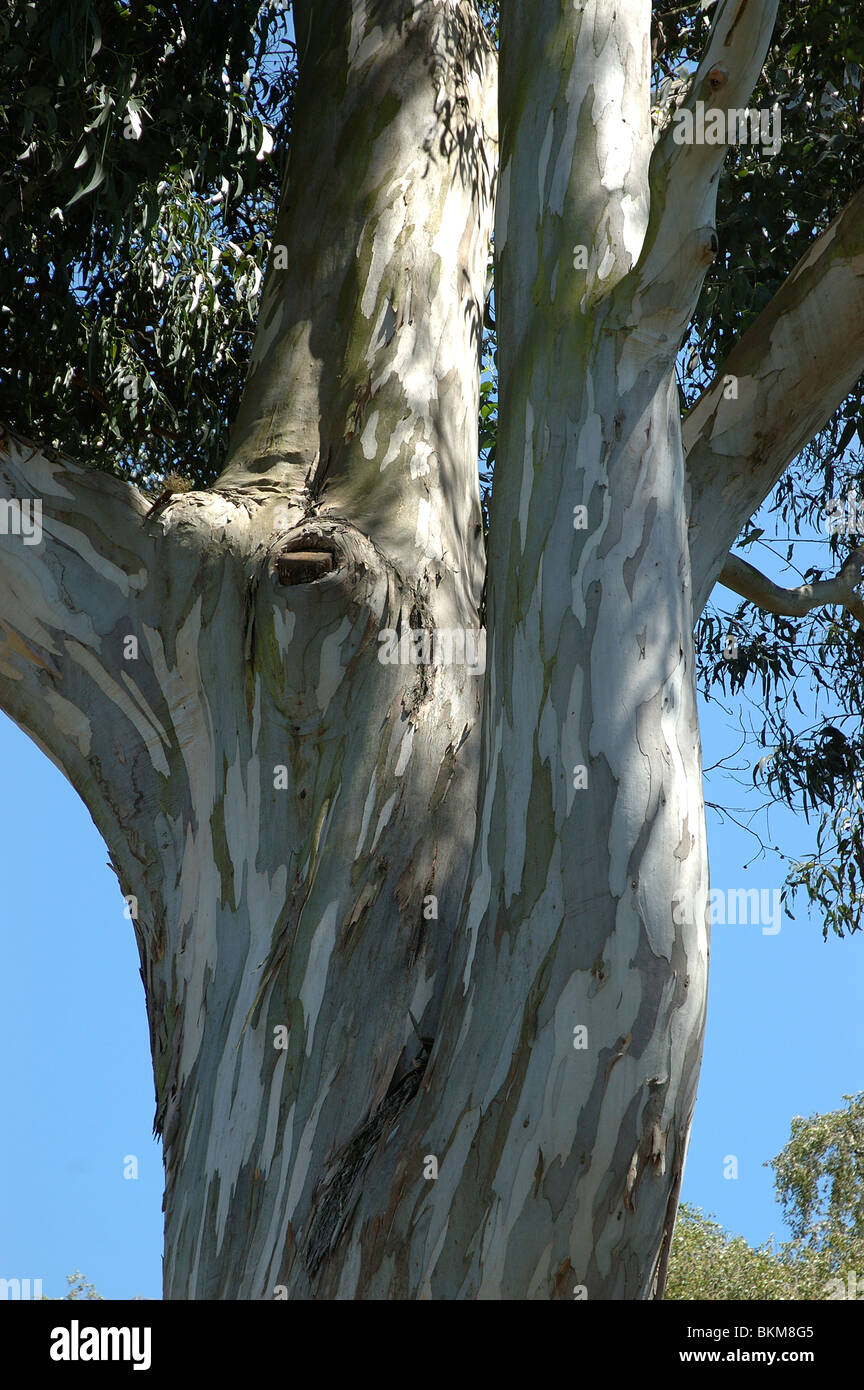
(779, 386)
(425, 1020)
(746, 580)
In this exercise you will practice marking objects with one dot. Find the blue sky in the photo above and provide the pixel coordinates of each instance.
(785, 1032)
(784, 1036)
(77, 1085)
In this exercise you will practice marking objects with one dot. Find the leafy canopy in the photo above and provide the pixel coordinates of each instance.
(819, 1179)
(142, 152)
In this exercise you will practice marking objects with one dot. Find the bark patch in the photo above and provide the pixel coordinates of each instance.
(332, 1200)
(304, 566)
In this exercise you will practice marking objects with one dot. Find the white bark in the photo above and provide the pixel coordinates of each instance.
(781, 383)
(293, 814)
(297, 818)
(746, 580)
(551, 1173)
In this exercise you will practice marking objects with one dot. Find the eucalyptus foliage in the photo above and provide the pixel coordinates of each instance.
(142, 150)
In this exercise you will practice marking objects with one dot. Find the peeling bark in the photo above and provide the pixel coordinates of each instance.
(791, 370)
(379, 896)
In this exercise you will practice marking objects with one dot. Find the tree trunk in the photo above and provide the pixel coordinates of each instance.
(426, 992)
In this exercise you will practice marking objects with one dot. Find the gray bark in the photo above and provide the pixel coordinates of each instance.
(378, 902)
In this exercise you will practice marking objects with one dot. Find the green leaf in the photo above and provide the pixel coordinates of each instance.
(36, 96)
(95, 179)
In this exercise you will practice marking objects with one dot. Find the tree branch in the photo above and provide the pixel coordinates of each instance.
(779, 386)
(73, 557)
(93, 594)
(750, 583)
(363, 387)
(681, 241)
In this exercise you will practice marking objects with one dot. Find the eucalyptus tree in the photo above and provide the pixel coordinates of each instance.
(818, 1180)
(410, 830)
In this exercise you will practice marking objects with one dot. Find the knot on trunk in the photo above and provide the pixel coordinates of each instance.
(303, 566)
(310, 554)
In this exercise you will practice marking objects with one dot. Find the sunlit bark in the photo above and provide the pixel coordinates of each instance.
(425, 1022)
